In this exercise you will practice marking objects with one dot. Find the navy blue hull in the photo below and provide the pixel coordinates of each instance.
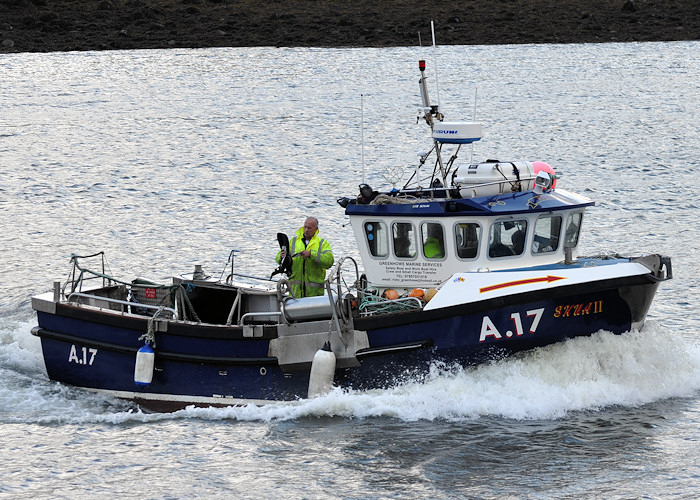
(110, 370)
(94, 350)
(514, 327)
(482, 336)
(100, 356)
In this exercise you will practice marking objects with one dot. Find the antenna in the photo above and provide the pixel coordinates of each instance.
(362, 135)
(437, 82)
(471, 160)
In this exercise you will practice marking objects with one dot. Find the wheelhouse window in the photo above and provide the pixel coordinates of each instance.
(467, 237)
(507, 238)
(547, 231)
(433, 237)
(404, 239)
(573, 228)
(376, 237)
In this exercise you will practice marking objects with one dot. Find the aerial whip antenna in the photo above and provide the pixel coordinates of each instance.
(362, 135)
(437, 83)
(471, 160)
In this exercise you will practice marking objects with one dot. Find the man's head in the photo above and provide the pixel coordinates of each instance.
(310, 227)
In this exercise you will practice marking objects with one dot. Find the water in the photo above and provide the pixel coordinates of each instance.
(167, 158)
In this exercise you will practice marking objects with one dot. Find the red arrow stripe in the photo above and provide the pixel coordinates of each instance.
(547, 278)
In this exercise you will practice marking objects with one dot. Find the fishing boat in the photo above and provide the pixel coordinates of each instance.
(466, 263)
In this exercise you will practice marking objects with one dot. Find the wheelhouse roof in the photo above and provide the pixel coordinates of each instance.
(504, 204)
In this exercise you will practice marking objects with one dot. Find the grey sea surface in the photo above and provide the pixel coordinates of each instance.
(167, 158)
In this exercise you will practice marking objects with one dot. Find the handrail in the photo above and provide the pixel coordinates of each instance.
(77, 282)
(335, 272)
(95, 274)
(241, 322)
(229, 318)
(334, 307)
(491, 183)
(459, 184)
(340, 319)
(122, 302)
(242, 275)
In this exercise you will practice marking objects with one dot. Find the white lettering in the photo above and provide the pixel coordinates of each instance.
(488, 329)
(537, 313)
(518, 323)
(73, 357)
(88, 355)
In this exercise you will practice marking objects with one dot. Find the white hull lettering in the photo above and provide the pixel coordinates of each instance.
(84, 356)
(489, 329)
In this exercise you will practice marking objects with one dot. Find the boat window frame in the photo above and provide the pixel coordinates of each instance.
(503, 221)
(565, 228)
(366, 240)
(479, 239)
(422, 240)
(393, 240)
(550, 215)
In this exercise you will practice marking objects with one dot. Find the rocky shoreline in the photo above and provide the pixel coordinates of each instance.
(65, 25)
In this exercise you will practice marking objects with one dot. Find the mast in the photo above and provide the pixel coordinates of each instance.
(431, 113)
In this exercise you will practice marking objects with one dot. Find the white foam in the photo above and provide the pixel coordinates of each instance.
(19, 349)
(581, 374)
(548, 383)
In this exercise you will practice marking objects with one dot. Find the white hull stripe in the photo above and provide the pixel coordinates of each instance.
(187, 400)
(464, 288)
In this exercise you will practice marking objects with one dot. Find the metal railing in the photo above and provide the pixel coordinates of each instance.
(97, 298)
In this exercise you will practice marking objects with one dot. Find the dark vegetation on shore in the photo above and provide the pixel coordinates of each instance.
(63, 25)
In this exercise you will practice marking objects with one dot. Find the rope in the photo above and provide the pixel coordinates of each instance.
(385, 199)
(375, 304)
(150, 336)
(180, 293)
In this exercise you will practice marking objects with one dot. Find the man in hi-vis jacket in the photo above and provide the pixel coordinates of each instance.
(311, 256)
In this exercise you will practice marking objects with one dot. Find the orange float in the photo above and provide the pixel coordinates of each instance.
(391, 294)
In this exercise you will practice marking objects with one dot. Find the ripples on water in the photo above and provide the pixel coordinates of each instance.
(166, 158)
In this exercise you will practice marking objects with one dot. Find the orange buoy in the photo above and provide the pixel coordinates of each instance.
(391, 294)
(430, 294)
(417, 293)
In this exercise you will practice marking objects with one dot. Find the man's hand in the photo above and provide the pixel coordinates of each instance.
(305, 254)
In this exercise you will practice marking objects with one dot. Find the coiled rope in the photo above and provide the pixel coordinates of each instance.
(373, 304)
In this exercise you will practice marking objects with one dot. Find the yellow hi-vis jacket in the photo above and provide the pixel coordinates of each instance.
(309, 274)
